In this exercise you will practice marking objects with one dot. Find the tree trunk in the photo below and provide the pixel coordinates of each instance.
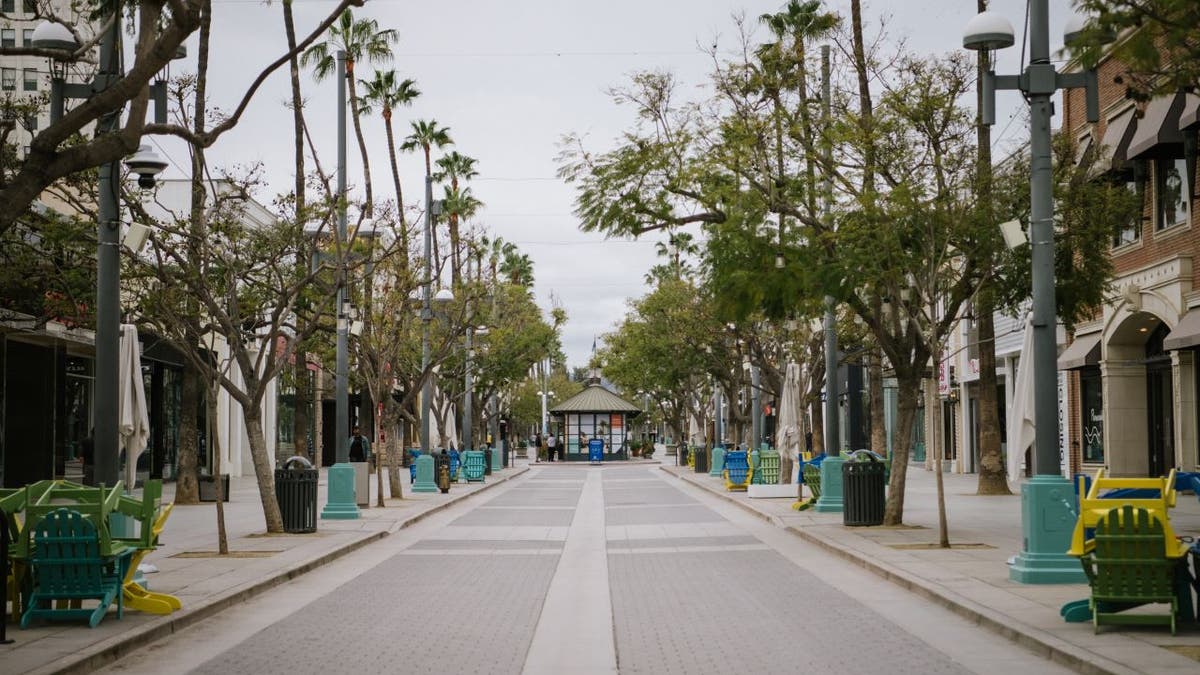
(818, 428)
(893, 513)
(394, 450)
(289, 25)
(391, 143)
(993, 478)
(187, 488)
(210, 397)
(303, 401)
(992, 475)
(369, 207)
(263, 469)
(878, 424)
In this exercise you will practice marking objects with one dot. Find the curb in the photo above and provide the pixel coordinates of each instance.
(1033, 639)
(103, 653)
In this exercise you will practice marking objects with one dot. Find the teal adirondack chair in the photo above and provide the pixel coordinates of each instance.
(473, 466)
(67, 565)
(1129, 568)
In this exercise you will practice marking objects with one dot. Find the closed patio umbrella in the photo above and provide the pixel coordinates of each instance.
(134, 427)
(789, 413)
(1020, 421)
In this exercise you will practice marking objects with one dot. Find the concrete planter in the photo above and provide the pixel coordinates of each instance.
(772, 491)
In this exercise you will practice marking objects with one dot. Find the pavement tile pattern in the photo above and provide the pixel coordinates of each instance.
(466, 601)
(711, 608)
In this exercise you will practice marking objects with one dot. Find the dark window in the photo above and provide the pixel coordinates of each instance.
(31, 122)
(8, 6)
(1171, 192)
(31, 79)
(30, 6)
(8, 37)
(1133, 230)
(1091, 414)
(8, 79)
(27, 37)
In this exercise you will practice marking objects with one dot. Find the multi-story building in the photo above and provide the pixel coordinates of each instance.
(27, 78)
(1134, 382)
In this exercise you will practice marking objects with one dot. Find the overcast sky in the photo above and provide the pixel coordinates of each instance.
(510, 78)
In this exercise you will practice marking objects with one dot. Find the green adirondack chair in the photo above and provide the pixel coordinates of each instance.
(768, 468)
(812, 478)
(1129, 568)
(67, 565)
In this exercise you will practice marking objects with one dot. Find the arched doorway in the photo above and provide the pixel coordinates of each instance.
(1138, 397)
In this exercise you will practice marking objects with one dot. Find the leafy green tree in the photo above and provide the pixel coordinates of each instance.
(1157, 40)
(363, 41)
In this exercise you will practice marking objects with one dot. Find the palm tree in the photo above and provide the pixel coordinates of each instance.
(384, 91)
(362, 40)
(455, 167)
(426, 135)
(517, 266)
(800, 22)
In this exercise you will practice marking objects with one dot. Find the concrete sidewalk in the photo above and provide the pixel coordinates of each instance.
(205, 583)
(971, 578)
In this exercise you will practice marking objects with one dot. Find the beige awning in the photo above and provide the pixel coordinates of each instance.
(1084, 351)
(1083, 150)
(1114, 147)
(1186, 333)
(1158, 127)
(1190, 117)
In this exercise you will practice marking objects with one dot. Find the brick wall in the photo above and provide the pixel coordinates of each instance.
(1153, 247)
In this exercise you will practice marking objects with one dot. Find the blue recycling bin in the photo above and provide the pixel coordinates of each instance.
(595, 451)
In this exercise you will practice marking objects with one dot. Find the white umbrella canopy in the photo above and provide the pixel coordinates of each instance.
(134, 421)
(695, 433)
(1020, 421)
(788, 441)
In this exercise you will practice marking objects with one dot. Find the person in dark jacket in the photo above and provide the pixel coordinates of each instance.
(360, 447)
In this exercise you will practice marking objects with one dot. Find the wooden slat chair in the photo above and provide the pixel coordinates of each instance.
(67, 565)
(1129, 567)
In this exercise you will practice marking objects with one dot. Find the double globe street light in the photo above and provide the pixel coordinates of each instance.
(1046, 518)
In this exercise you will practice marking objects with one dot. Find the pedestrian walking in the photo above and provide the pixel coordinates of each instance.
(360, 447)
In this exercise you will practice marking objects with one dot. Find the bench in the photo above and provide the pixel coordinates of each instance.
(1128, 567)
(68, 565)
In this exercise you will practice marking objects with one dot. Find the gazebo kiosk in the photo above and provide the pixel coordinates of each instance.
(594, 412)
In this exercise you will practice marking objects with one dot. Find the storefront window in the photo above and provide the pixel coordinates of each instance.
(1092, 415)
(1172, 192)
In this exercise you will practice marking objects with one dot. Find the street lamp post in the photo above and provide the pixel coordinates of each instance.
(432, 208)
(468, 443)
(830, 500)
(341, 503)
(1046, 517)
(50, 35)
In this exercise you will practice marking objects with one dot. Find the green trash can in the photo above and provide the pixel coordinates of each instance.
(863, 491)
(296, 493)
